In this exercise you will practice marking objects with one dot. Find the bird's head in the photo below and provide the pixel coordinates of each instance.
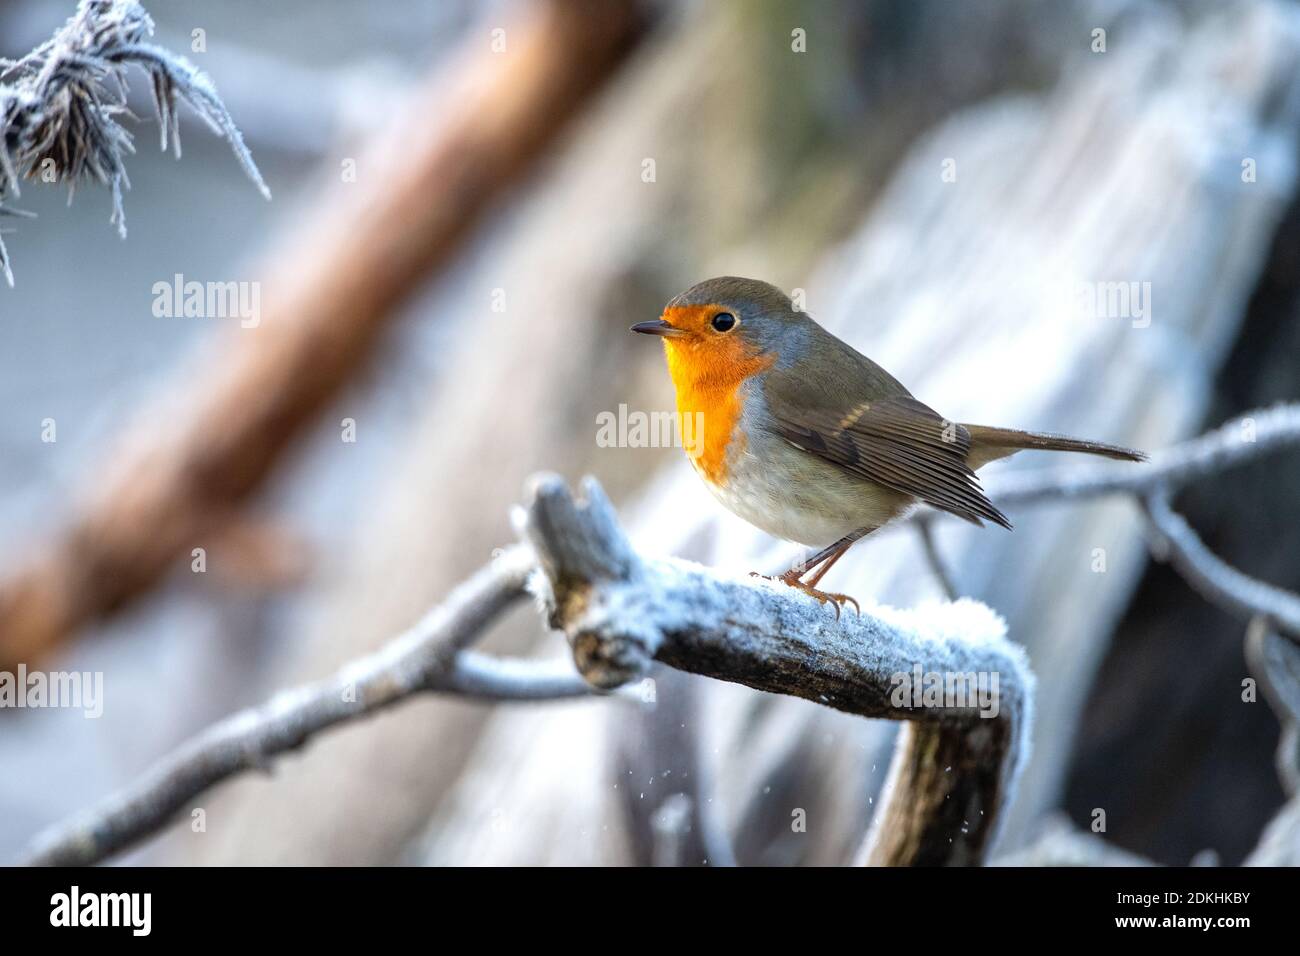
(728, 324)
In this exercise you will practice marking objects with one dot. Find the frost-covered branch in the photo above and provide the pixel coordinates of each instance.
(61, 105)
(955, 764)
(1218, 582)
(430, 657)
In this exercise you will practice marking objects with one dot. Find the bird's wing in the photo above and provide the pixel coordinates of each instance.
(893, 440)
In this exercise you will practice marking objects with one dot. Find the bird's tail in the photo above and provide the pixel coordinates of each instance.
(989, 444)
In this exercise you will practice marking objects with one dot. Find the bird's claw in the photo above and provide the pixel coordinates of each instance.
(834, 598)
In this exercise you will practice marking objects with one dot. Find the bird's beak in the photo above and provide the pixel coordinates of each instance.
(657, 327)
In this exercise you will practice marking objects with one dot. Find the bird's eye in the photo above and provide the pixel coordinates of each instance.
(724, 322)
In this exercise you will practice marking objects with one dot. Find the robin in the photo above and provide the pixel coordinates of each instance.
(811, 441)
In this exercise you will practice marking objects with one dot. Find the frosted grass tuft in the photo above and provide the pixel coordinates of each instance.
(61, 106)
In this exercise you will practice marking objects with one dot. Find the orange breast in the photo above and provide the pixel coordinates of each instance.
(707, 372)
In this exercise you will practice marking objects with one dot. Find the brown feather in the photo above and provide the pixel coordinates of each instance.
(989, 444)
(896, 442)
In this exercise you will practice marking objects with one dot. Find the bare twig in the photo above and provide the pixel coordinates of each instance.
(938, 566)
(60, 108)
(1218, 582)
(430, 657)
(509, 679)
(952, 772)
(329, 293)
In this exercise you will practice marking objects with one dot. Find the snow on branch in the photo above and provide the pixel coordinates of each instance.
(956, 761)
(61, 104)
(430, 657)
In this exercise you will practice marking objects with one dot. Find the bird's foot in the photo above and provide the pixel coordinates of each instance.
(833, 598)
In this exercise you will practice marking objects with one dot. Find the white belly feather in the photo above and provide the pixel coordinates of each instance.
(796, 496)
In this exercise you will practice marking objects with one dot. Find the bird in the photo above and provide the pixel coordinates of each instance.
(809, 440)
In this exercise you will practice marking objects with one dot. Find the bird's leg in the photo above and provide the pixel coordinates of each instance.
(825, 558)
(836, 551)
(801, 567)
(827, 565)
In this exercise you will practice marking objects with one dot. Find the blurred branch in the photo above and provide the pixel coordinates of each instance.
(938, 566)
(953, 769)
(430, 657)
(1275, 662)
(332, 289)
(59, 109)
(1270, 611)
(1216, 581)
